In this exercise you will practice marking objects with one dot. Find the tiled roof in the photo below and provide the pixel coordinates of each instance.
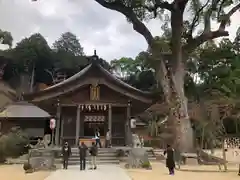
(23, 110)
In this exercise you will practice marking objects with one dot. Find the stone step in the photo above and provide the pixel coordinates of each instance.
(99, 158)
(89, 163)
(149, 158)
(109, 156)
(101, 150)
(99, 155)
(76, 162)
(112, 153)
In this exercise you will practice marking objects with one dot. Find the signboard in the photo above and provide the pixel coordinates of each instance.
(52, 123)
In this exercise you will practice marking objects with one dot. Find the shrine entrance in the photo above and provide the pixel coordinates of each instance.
(93, 123)
(94, 118)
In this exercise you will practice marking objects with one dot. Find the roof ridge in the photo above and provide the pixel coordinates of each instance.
(121, 81)
(77, 76)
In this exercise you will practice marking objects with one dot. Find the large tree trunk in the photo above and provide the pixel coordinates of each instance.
(171, 73)
(179, 124)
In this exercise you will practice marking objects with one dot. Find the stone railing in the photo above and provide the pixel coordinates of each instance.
(41, 159)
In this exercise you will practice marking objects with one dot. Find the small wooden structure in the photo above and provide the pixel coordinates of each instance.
(26, 116)
(93, 98)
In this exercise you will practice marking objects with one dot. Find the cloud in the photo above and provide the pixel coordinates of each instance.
(97, 28)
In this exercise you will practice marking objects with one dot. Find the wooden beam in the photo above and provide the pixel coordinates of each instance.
(110, 120)
(62, 126)
(57, 135)
(94, 103)
(77, 126)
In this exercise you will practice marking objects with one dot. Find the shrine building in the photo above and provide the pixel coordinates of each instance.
(92, 98)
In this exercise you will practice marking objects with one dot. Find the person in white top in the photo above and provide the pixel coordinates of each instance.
(108, 139)
(97, 137)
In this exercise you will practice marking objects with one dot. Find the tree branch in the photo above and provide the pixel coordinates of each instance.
(129, 13)
(193, 43)
(227, 17)
(196, 19)
(159, 4)
(163, 5)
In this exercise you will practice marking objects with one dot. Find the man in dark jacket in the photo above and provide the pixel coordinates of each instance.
(82, 153)
(93, 152)
(170, 162)
(66, 152)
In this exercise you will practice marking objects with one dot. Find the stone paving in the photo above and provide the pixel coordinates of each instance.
(104, 172)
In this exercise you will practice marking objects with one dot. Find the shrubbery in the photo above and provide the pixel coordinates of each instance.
(13, 144)
(146, 165)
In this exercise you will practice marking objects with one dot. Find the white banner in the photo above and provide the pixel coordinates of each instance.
(52, 123)
(133, 123)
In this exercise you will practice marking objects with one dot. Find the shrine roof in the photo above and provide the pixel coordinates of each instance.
(74, 80)
(23, 110)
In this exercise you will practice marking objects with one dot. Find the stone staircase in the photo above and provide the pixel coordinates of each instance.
(105, 156)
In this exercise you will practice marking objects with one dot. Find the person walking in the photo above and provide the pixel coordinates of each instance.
(108, 139)
(93, 152)
(83, 153)
(66, 152)
(170, 162)
(97, 137)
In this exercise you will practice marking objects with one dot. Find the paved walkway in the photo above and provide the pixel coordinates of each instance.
(104, 172)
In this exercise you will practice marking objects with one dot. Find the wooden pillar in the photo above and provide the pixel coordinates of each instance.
(236, 125)
(128, 126)
(77, 126)
(61, 136)
(110, 120)
(57, 134)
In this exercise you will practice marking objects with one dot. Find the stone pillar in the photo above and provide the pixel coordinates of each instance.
(77, 126)
(58, 124)
(110, 120)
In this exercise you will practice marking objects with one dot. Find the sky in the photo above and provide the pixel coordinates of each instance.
(96, 27)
